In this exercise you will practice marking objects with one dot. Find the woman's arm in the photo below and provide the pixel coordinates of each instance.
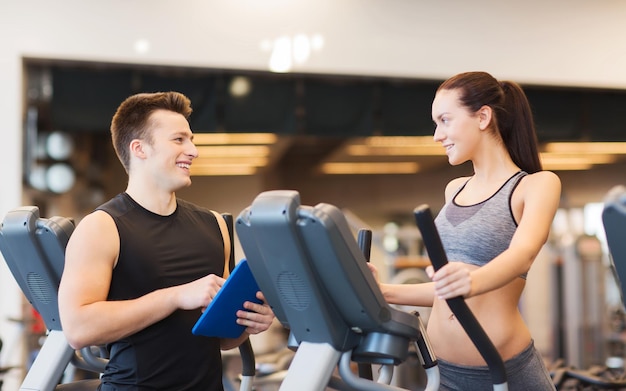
(536, 200)
(421, 295)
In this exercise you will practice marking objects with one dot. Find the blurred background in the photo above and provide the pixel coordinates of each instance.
(330, 98)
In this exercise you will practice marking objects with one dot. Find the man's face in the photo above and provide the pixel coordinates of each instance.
(171, 150)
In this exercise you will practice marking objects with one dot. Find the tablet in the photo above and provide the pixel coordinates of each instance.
(220, 317)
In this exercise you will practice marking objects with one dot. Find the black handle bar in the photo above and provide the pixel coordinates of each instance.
(436, 253)
(364, 239)
(248, 361)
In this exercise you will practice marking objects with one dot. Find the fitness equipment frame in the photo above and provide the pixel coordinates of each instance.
(314, 276)
(614, 222)
(34, 250)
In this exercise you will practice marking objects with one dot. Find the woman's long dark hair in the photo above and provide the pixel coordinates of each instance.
(512, 114)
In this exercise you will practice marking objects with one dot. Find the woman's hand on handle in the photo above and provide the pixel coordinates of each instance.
(452, 280)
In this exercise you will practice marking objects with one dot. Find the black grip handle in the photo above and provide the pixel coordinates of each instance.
(231, 233)
(436, 253)
(248, 362)
(364, 239)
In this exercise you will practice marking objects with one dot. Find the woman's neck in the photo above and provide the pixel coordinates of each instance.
(493, 166)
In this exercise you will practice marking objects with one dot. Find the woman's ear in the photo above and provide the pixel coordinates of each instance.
(484, 114)
(136, 149)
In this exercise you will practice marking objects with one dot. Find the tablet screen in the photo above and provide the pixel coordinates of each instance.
(220, 317)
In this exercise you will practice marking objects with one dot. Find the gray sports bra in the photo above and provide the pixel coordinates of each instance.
(476, 234)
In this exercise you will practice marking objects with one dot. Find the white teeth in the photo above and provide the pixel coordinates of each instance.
(183, 165)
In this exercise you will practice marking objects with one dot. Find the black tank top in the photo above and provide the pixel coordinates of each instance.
(158, 252)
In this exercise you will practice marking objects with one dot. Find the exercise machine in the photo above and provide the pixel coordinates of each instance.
(34, 250)
(438, 258)
(614, 222)
(314, 276)
(3, 370)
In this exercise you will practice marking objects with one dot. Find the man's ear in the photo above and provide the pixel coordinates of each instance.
(136, 149)
(485, 115)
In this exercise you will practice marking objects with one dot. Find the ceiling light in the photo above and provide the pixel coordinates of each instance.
(586, 147)
(280, 59)
(575, 159)
(395, 146)
(230, 160)
(142, 46)
(301, 48)
(370, 168)
(317, 41)
(59, 145)
(58, 178)
(287, 51)
(396, 150)
(208, 151)
(234, 138)
(240, 86)
(223, 169)
(233, 153)
(556, 166)
(389, 141)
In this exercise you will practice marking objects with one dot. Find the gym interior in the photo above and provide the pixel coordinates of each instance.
(331, 99)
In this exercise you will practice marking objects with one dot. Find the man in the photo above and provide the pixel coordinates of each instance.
(140, 268)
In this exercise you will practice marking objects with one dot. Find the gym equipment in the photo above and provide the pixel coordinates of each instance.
(314, 276)
(614, 221)
(438, 258)
(34, 250)
(3, 370)
(598, 377)
(248, 363)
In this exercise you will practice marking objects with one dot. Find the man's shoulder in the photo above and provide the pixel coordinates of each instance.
(116, 206)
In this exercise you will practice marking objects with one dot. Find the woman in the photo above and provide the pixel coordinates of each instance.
(493, 225)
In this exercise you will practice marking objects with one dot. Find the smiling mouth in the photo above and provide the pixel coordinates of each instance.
(183, 165)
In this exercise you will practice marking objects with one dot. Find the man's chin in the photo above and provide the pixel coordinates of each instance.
(183, 184)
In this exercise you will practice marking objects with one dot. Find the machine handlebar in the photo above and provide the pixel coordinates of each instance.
(436, 253)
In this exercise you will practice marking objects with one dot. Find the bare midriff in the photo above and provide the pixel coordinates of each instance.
(496, 311)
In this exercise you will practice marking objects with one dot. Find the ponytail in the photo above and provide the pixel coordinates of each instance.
(517, 128)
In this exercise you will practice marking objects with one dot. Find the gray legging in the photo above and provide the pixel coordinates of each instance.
(525, 372)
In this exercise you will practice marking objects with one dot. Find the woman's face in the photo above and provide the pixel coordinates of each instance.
(457, 129)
